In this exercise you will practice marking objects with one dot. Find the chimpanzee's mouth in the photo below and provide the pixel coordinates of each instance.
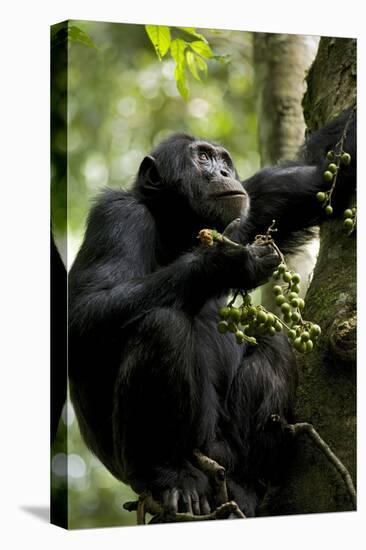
(229, 194)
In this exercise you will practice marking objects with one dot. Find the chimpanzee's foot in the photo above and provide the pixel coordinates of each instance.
(184, 490)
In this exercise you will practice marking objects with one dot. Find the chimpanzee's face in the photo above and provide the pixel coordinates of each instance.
(198, 174)
(220, 193)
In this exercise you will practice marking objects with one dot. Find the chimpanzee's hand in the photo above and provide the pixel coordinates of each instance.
(249, 266)
(264, 259)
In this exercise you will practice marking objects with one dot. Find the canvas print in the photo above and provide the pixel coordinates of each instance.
(203, 274)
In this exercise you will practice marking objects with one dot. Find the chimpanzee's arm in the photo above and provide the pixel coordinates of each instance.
(287, 193)
(115, 279)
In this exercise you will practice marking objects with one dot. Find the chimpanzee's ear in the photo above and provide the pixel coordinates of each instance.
(148, 175)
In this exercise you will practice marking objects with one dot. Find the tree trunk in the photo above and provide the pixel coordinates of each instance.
(281, 62)
(327, 389)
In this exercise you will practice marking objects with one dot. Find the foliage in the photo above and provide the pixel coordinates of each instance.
(189, 50)
(122, 101)
(70, 34)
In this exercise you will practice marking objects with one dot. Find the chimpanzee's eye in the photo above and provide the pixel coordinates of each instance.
(227, 160)
(203, 156)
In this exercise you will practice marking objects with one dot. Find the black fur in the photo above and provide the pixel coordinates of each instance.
(150, 377)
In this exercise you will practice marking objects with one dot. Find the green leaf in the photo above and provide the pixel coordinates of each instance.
(201, 64)
(77, 35)
(201, 48)
(180, 79)
(192, 32)
(70, 34)
(192, 65)
(222, 58)
(160, 38)
(177, 49)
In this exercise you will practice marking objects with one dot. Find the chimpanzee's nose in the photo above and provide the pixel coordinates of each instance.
(224, 173)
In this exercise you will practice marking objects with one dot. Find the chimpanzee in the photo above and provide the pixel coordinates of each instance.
(151, 379)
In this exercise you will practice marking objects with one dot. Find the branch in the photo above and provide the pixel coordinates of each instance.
(162, 515)
(225, 508)
(305, 427)
(141, 510)
(214, 471)
(147, 504)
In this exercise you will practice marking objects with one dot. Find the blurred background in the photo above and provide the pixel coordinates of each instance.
(121, 102)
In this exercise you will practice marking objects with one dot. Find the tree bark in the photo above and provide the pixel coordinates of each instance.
(281, 62)
(327, 388)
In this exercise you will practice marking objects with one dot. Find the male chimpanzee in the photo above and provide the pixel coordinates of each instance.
(151, 378)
